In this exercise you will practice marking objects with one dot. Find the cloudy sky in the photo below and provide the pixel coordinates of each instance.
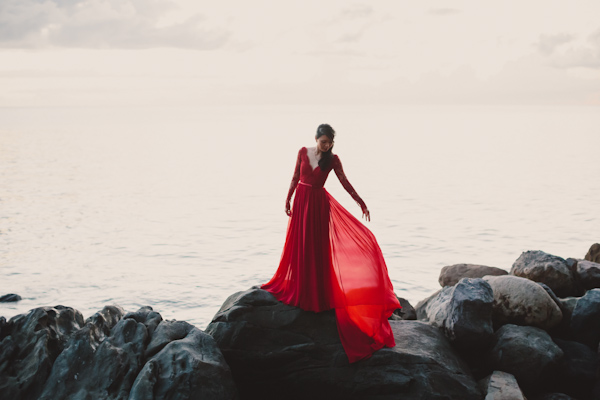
(182, 52)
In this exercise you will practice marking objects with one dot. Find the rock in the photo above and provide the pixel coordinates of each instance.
(297, 354)
(100, 366)
(553, 396)
(522, 302)
(593, 253)
(585, 321)
(588, 274)
(423, 304)
(501, 386)
(30, 345)
(51, 354)
(526, 352)
(451, 274)
(9, 298)
(563, 329)
(571, 264)
(464, 313)
(546, 268)
(406, 312)
(577, 369)
(187, 367)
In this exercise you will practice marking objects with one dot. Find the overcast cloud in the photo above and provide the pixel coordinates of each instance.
(295, 51)
(101, 24)
(563, 54)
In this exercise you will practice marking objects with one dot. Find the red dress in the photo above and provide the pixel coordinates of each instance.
(332, 261)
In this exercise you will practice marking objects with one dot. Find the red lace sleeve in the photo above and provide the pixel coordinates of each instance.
(296, 177)
(339, 171)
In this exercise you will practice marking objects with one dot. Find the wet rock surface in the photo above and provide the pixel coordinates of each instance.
(526, 352)
(52, 353)
(10, 298)
(298, 354)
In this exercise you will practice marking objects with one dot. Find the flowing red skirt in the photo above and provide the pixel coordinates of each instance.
(332, 261)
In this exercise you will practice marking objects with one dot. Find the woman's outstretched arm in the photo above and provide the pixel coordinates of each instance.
(339, 171)
(295, 179)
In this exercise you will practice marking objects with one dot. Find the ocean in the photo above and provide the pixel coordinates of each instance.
(178, 208)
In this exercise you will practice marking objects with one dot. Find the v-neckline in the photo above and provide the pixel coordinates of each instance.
(308, 159)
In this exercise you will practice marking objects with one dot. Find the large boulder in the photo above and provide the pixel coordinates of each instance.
(585, 321)
(463, 312)
(297, 354)
(526, 352)
(30, 344)
(577, 370)
(451, 274)
(546, 268)
(501, 386)
(521, 301)
(588, 274)
(593, 253)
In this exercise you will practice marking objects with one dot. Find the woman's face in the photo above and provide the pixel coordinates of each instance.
(324, 143)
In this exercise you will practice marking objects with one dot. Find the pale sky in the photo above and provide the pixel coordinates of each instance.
(188, 52)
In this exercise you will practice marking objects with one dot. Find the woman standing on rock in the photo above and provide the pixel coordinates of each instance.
(330, 259)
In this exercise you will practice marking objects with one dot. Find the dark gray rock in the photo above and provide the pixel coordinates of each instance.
(526, 352)
(546, 268)
(588, 274)
(593, 253)
(577, 370)
(9, 298)
(501, 386)
(572, 264)
(406, 312)
(279, 351)
(585, 321)
(451, 274)
(50, 354)
(30, 345)
(464, 313)
(186, 367)
(553, 396)
(103, 367)
(421, 308)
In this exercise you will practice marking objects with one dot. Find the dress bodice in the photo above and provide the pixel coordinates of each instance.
(316, 177)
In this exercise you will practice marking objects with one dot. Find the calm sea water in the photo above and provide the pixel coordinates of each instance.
(179, 208)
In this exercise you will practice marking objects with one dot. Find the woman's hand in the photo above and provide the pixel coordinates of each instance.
(288, 209)
(366, 214)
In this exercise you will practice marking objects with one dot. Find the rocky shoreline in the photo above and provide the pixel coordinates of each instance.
(533, 332)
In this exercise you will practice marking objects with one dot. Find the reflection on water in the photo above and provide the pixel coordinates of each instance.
(179, 208)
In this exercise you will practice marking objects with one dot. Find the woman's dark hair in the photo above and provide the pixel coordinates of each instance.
(327, 130)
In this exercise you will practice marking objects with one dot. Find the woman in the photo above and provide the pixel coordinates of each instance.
(330, 259)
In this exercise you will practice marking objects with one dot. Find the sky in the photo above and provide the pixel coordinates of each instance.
(188, 52)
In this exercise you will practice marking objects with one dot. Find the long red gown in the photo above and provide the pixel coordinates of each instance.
(332, 261)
